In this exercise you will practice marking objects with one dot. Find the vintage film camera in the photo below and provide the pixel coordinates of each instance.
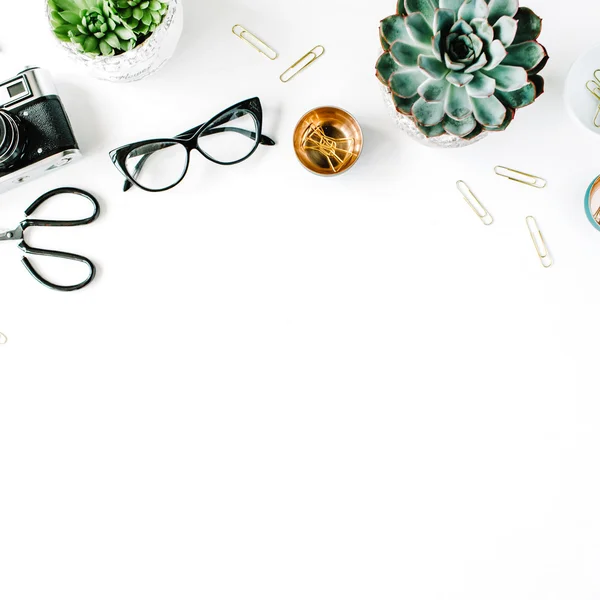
(35, 132)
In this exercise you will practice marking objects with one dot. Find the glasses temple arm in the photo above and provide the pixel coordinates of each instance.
(265, 140)
(128, 185)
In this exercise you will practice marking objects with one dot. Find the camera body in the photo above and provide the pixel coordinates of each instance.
(35, 132)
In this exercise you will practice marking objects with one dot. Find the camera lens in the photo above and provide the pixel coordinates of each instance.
(11, 140)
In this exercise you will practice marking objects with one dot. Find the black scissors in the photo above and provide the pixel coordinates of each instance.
(19, 234)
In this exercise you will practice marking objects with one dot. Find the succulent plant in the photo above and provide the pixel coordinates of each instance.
(92, 25)
(143, 16)
(62, 25)
(461, 67)
(105, 27)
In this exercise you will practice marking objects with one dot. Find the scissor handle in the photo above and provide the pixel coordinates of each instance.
(56, 254)
(60, 223)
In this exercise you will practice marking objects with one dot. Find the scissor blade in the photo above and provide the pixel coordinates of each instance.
(11, 234)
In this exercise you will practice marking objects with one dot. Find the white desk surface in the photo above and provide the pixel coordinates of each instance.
(286, 387)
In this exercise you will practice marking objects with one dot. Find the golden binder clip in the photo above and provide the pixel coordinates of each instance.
(337, 151)
(520, 177)
(301, 64)
(471, 199)
(254, 41)
(539, 243)
(593, 86)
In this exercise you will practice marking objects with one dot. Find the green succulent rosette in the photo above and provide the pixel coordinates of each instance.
(461, 67)
(143, 16)
(93, 26)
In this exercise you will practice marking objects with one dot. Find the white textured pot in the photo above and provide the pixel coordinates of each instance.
(143, 60)
(407, 125)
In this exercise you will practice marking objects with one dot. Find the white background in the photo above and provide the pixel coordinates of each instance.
(287, 387)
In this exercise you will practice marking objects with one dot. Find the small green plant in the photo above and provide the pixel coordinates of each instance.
(105, 27)
(143, 16)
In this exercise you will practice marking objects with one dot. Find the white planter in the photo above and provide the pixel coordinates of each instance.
(143, 60)
(408, 126)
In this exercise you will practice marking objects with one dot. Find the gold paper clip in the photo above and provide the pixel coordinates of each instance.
(520, 177)
(471, 199)
(241, 32)
(539, 243)
(593, 87)
(332, 149)
(3, 339)
(304, 62)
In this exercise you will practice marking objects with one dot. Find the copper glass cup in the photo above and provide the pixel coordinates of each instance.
(328, 140)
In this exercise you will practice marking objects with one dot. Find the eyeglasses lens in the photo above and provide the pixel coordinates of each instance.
(232, 141)
(157, 165)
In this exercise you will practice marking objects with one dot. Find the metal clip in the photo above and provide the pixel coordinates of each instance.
(520, 177)
(332, 149)
(594, 84)
(540, 244)
(3, 339)
(593, 87)
(254, 41)
(304, 62)
(471, 199)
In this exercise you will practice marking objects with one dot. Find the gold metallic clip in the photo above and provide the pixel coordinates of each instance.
(593, 87)
(520, 177)
(337, 151)
(479, 209)
(241, 32)
(304, 62)
(3, 339)
(539, 243)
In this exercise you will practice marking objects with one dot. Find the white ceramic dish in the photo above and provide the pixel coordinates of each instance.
(582, 106)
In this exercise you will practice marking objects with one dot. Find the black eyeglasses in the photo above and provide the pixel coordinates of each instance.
(160, 164)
